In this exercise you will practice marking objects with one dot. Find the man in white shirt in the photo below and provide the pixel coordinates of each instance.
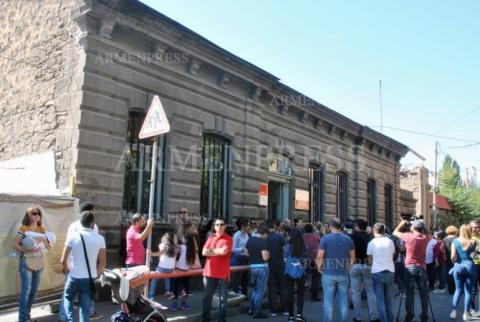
(380, 251)
(78, 280)
(74, 228)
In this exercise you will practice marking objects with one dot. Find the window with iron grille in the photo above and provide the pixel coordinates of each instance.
(371, 202)
(316, 184)
(342, 196)
(215, 185)
(138, 158)
(389, 206)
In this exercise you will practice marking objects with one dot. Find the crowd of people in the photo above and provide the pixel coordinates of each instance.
(342, 265)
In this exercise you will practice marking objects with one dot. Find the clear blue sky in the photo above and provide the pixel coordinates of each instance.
(427, 54)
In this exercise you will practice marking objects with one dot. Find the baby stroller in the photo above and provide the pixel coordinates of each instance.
(134, 306)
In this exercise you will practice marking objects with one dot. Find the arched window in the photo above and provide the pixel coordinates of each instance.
(215, 185)
(371, 202)
(342, 196)
(138, 158)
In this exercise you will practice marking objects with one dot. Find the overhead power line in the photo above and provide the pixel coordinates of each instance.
(458, 119)
(428, 134)
(463, 146)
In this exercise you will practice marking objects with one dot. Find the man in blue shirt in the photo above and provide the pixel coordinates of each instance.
(336, 257)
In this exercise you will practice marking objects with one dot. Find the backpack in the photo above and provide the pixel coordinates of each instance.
(294, 266)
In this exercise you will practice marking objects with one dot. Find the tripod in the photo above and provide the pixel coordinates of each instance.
(400, 306)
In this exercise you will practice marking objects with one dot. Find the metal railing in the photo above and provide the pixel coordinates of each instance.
(143, 279)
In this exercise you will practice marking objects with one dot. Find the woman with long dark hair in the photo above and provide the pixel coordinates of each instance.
(29, 276)
(167, 251)
(295, 253)
(187, 258)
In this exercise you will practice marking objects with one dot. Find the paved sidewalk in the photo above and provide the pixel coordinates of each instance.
(313, 311)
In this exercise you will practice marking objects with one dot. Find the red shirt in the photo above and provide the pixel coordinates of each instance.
(416, 245)
(135, 248)
(218, 266)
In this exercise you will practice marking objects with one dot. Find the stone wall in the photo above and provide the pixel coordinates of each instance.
(40, 79)
(416, 181)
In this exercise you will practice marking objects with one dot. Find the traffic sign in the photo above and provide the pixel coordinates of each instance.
(156, 121)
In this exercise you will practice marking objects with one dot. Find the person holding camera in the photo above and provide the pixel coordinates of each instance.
(416, 242)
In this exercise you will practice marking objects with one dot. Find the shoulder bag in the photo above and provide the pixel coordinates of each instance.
(92, 282)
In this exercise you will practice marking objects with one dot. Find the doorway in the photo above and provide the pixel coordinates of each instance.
(278, 200)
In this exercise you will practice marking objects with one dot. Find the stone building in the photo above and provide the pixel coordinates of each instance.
(416, 181)
(77, 77)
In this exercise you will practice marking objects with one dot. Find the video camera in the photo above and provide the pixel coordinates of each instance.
(410, 219)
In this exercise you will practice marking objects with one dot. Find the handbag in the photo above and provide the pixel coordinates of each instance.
(34, 262)
(93, 289)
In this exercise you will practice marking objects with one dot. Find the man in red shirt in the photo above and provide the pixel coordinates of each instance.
(135, 237)
(216, 273)
(416, 243)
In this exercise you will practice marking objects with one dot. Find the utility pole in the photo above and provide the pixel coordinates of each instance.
(435, 189)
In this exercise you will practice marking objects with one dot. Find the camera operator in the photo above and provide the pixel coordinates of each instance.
(416, 243)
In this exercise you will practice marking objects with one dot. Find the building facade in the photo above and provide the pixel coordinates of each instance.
(242, 143)
(415, 180)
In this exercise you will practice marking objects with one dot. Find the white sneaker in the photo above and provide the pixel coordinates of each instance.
(466, 316)
(453, 314)
(474, 313)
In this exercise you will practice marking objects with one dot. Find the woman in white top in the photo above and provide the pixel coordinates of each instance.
(167, 251)
(186, 259)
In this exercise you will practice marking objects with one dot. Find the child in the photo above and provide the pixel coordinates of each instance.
(166, 264)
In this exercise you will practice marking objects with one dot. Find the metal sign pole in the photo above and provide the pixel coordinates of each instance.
(152, 195)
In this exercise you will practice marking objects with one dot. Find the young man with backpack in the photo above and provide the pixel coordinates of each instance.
(335, 258)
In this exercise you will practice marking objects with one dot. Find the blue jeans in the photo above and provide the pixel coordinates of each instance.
(463, 282)
(335, 285)
(28, 287)
(61, 313)
(154, 282)
(416, 275)
(383, 286)
(211, 284)
(80, 286)
(360, 279)
(260, 277)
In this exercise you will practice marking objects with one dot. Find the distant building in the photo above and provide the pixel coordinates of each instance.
(445, 212)
(415, 180)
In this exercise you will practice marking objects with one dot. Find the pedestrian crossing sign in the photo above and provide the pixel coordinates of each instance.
(156, 121)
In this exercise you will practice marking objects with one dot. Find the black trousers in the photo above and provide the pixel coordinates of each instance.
(291, 283)
(276, 280)
(181, 282)
(432, 275)
(315, 278)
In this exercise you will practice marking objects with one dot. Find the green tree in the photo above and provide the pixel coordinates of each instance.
(449, 176)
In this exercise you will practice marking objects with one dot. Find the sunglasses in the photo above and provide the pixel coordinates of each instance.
(221, 225)
(183, 212)
(36, 214)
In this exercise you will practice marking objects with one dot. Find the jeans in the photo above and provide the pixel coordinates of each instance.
(61, 313)
(463, 282)
(475, 289)
(361, 278)
(416, 275)
(300, 282)
(276, 279)
(260, 277)
(154, 282)
(335, 285)
(211, 284)
(82, 287)
(239, 279)
(383, 286)
(28, 287)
